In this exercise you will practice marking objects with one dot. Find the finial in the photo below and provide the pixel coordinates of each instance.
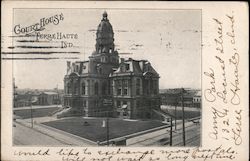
(105, 15)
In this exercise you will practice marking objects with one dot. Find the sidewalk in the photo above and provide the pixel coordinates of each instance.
(67, 138)
(26, 136)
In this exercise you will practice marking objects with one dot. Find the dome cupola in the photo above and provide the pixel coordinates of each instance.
(104, 36)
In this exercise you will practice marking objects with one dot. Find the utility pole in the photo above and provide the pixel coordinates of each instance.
(31, 114)
(171, 130)
(175, 117)
(14, 93)
(58, 100)
(183, 118)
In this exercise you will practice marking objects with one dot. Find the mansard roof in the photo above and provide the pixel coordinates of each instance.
(104, 60)
(137, 67)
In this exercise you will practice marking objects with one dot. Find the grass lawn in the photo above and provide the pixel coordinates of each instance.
(39, 112)
(95, 132)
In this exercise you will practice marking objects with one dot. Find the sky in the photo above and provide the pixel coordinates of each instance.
(169, 39)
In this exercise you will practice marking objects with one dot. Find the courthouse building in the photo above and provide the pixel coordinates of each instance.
(106, 85)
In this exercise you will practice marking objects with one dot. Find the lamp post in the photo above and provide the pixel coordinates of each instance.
(106, 124)
(183, 118)
(107, 131)
(175, 117)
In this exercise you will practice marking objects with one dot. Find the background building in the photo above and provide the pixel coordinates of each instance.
(105, 86)
(48, 98)
(172, 97)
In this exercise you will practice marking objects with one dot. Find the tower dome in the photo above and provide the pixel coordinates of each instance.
(104, 35)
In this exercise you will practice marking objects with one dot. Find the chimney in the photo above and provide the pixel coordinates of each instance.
(74, 67)
(68, 66)
(141, 63)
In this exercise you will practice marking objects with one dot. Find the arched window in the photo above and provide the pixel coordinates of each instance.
(109, 87)
(76, 87)
(83, 88)
(84, 103)
(69, 91)
(138, 86)
(104, 87)
(100, 70)
(96, 88)
(125, 87)
(119, 87)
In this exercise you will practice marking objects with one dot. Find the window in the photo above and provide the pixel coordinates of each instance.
(75, 89)
(125, 83)
(96, 103)
(137, 103)
(104, 88)
(125, 108)
(125, 91)
(75, 85)
(118, 104)
(83, 88)
(96, 88)
(151, 86)
(84, 103)
(125, 87)
(155, 86)
(138, 86)
(119, 87)
(103, 59)
(88, 87)
(122, 68)
(109, 87)
(119, 91)
(69, 91)
(147, 86)
(127, 67)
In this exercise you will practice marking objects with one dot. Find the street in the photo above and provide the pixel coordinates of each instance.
(192, 137)
(27, 136)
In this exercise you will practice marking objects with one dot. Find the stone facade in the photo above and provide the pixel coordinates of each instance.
(107, 86)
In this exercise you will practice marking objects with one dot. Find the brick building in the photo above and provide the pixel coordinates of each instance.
(108, 86)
